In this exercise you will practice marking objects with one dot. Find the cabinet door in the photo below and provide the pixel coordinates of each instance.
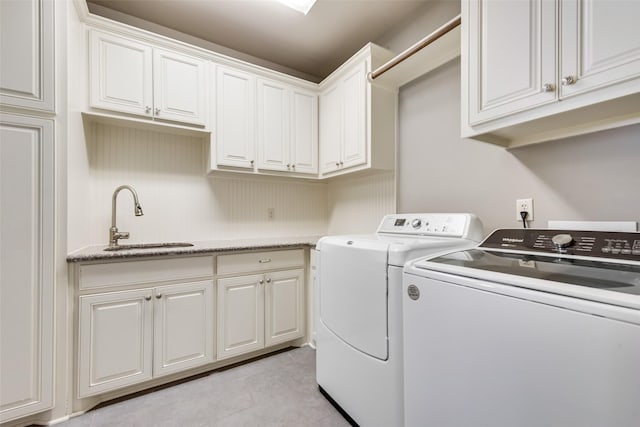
(511, 48)
(183, 335)
(26, 265)
(121, 74)
(240, 325)
(304, 132)
(115, 340)
(354, 122)
(179, 87)
(331, 104)
(600, 44)
(27, 50)
(273, 126)
(235, 111)
(284, 303)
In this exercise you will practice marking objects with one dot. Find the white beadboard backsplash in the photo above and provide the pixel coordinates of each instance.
(357, 204)
(180, 201)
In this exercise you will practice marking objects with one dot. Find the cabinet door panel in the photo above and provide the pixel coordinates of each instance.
(600, 43)
(273, 126)
(183, 327)
(235, 94)
(115, 344)
(26, 265)
(121, 74)
(240, 326)
(511, 48)
(331, 135)
(284, 302)
(354, 151)
(27, 51)
(179, 87)
(304, 132)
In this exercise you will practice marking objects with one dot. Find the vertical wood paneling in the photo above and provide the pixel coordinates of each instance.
(356, 205)
(180, 201)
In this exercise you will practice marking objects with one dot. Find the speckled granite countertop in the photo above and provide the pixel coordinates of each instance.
(97, 252)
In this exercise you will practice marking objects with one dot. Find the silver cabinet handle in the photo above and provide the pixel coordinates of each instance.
(251, 162)
(548, 87)
(268, 280)
(568, 80)
(293, 166)
(158, 296)
(261, 281)
(338, 164)
(157, 111)
(147, 109)
(148, 298)
(264, 261)
(288, 165)
(341, 164)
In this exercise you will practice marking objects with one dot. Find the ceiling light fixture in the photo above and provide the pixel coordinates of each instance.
(302, 6)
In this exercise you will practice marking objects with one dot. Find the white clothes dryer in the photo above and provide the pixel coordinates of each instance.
(359, 333)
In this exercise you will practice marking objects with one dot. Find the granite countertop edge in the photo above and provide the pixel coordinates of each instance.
(97, 252)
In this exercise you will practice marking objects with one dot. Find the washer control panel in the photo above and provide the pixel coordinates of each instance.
(601, 244)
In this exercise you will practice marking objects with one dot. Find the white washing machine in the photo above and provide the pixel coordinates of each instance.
(532, 328)
(359, 331)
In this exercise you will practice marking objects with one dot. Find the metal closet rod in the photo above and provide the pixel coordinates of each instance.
(453, 23)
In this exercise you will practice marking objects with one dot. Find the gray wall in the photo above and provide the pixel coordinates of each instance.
(591, 177)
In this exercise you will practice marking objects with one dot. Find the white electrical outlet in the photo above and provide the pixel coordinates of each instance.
(270, 214)
(524, 205)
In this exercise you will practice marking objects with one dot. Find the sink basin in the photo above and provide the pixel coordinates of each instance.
(148, 246)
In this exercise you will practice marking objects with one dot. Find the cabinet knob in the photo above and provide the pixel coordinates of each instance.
(268, 280)
(341, 164)
(337, 164)
(293, 166)
(157, 111)
(288, 165)
(261, 281)
(548, 87)
(148, 298)
(158, 296)
(568, 80)
(147, 109)
(251, 162)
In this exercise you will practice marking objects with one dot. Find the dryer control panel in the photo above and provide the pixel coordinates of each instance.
(461, 225)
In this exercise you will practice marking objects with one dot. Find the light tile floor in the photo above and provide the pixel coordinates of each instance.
(278, 390)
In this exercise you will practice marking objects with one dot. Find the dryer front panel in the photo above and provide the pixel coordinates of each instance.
(353, 293)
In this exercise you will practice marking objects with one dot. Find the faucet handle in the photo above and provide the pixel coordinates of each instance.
(123, 235)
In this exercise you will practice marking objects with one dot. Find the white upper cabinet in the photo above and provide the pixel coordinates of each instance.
(287, 128)
(27, 52)
(357, 118)
(521, 58)
(600, 44)
(179, 87)
(512, 62)
(234, 138)
(135, 78)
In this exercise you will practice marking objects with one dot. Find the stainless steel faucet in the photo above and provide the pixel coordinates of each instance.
(114, 234)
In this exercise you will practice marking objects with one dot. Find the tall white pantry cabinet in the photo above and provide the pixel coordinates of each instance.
(27, 144)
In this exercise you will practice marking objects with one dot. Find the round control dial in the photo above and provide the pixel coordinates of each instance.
(562, 240)
(416, 223)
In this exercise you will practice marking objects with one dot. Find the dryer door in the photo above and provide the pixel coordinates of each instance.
(353, 292)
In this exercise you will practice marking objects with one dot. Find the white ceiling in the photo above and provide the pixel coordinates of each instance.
(315, 44)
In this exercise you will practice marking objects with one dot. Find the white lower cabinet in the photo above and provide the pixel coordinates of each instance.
(259, 310)
(130, 336)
